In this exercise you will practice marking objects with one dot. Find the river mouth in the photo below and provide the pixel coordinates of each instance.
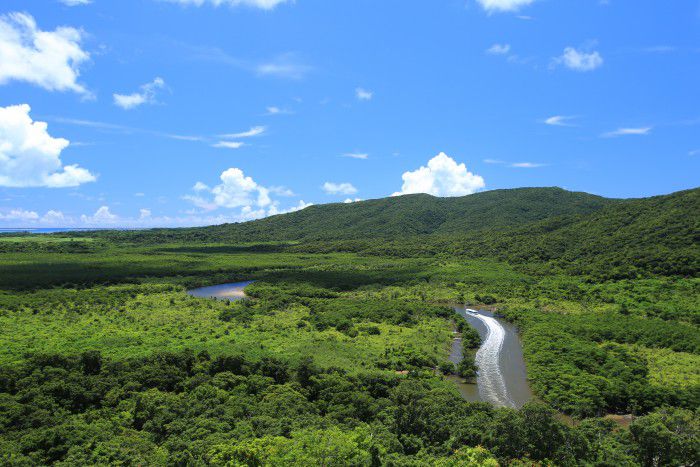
(502, 375)
(230, 291)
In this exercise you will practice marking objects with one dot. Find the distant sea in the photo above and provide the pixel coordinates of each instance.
(48, 230)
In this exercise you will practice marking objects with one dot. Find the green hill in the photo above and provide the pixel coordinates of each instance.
(579, 232)
(411, 215)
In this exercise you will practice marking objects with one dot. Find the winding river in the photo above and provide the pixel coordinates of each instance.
(501, 379)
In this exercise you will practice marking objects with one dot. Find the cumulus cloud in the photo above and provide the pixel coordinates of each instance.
(262, 4)
(363, 94)
(442, 176)
(339, 188)
(241, 193)
(236, 190)
(627, 132)
(579, 60)
(503, 5)
(102, 217)
(30, 157)
(498, 49)
(351, 200)
(53, 217)
(146, 95)
(49, 59)
(19, 215)
(144, 213)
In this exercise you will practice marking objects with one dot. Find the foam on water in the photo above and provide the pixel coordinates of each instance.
(492, 386)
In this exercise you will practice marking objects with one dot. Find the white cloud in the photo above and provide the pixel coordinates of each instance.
(627, 132)
(262, 4)
(339, 188)
(53, 217)
(19, 215)
(503, 5)
(76, 2)
(254, 131)
(579, 60)
(235, 190)
(363, 94)
(199, 186)
(241, 192)
(351, 200)
(558, 120)
(281, 191)
(356, 155)
(147, 95)
(102, 217)
(49, 59)
(30, 157)
(283, 66)
(498, 49)
(527, 165)
(441, 177)
(144, 213)
(228, 144)
(493, 161)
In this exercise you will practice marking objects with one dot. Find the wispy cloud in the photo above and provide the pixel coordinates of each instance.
(627, 132)
(339, 188)
(515, 165)
(284, 66)
(498, 49)
(559, 120)
(274, 110)
(76, 2)
(254, 131)
(527, 165)
(228, 144)
(356, 155)
(363, 94)
(146, 95)
(262, 4)
(503, 5)
(117, 128)
(695, 152)
(287, 65)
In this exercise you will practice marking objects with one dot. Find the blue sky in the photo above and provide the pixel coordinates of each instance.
(191, 112)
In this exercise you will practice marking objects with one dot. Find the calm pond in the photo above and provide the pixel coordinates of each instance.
(230, 291)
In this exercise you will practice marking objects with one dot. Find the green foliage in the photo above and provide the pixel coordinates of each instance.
(105, 360)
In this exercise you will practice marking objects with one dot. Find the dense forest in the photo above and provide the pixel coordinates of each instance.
(339, 353)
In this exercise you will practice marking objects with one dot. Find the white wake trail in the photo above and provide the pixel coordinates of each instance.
(492, 386)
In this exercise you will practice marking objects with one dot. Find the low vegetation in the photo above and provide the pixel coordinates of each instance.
(337, 356)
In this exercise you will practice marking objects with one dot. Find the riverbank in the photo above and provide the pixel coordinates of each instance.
(502, 375)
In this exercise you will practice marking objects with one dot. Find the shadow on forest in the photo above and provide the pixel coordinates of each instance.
(219, 249)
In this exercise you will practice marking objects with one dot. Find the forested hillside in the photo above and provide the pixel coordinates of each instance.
(581, 233)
